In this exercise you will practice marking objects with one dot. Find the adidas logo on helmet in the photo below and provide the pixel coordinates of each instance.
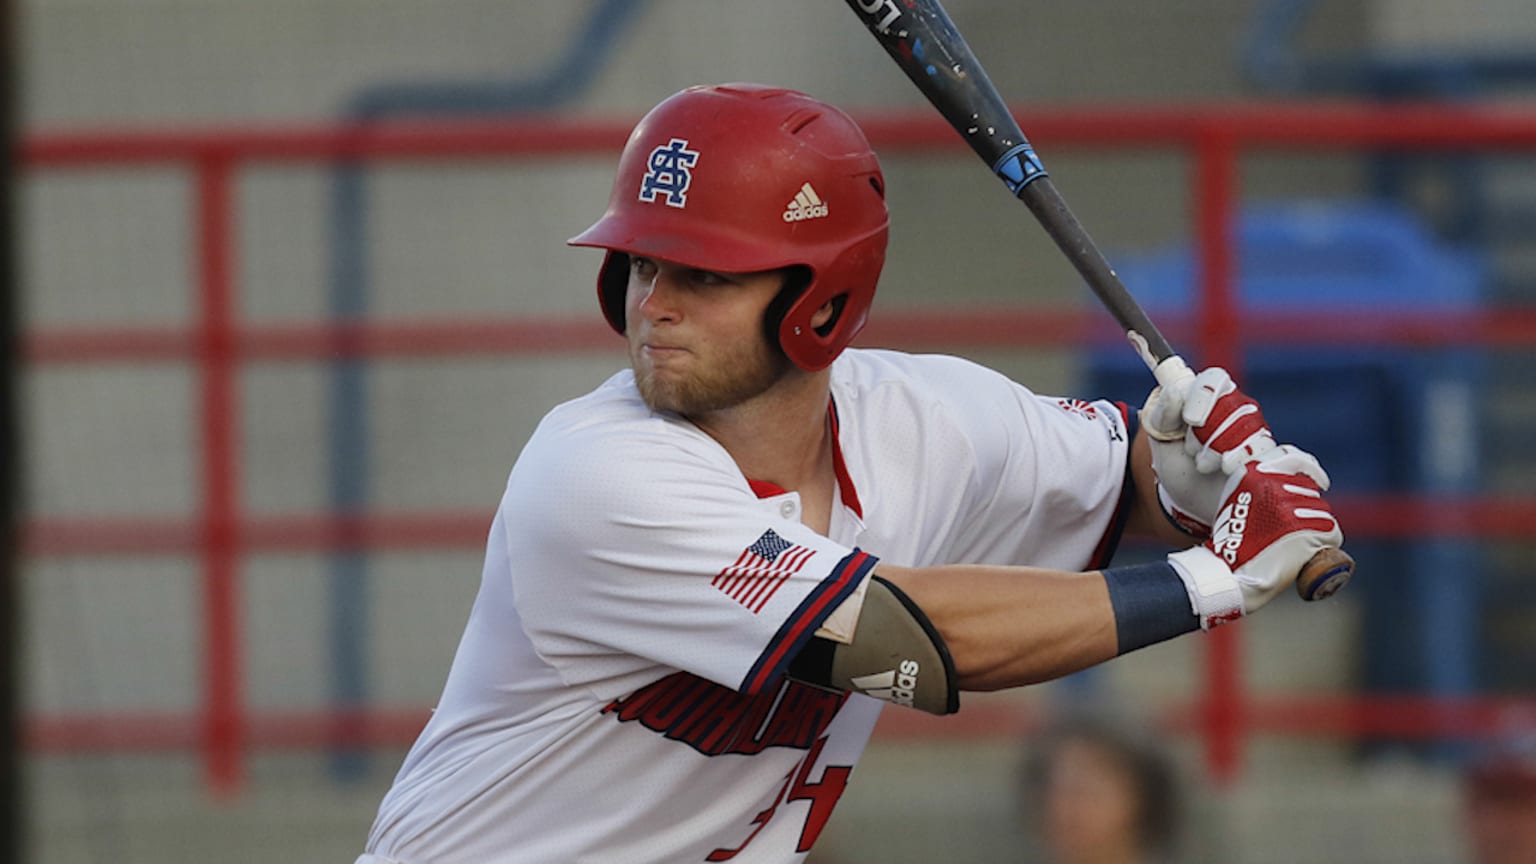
(806, 205)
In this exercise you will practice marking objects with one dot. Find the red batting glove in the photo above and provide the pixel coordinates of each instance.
(1226, 427)
(1272, 521)
(1202, 429)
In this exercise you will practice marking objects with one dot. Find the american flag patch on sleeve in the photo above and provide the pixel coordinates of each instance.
(761, 569)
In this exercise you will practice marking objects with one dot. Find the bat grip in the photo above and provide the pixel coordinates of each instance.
(1327, 572)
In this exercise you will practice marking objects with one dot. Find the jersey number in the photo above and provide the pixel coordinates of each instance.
(822, 794)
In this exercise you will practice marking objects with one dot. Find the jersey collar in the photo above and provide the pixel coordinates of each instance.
(845, 489)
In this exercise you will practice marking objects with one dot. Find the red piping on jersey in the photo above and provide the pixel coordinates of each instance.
(850, 495)
(839, 467)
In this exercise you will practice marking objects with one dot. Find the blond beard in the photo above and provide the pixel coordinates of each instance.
(740, 375)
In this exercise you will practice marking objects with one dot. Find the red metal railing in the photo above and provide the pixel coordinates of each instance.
(1212, 137)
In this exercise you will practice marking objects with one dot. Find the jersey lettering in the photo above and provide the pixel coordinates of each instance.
(668, 172)
(716, 720)
(760, 820)
(823, 795)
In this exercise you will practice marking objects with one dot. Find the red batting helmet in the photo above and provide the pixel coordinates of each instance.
(740, 178)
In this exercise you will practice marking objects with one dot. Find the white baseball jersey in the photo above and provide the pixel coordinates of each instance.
(619, 691)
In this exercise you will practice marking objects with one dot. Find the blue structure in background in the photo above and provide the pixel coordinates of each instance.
(1381, 420)
(1273, 63)
(559, 84)
(1469, 200)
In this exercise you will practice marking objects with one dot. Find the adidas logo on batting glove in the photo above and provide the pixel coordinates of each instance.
(1273, 519)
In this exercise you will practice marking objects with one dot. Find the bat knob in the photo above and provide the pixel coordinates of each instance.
(1327, 572)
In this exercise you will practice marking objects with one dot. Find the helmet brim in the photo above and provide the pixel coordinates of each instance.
(717, 250)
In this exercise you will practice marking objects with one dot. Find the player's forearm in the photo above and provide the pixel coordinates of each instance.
(1013, 626)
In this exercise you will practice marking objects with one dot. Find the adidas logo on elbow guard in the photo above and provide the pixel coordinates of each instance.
(897, 686)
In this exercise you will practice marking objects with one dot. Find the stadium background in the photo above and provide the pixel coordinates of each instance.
(295, 291)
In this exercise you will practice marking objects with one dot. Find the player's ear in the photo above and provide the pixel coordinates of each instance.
(824, 314)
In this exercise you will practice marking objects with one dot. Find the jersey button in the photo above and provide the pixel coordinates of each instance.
(787, 509)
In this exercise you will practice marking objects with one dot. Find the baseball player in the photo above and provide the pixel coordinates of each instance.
(707, 577)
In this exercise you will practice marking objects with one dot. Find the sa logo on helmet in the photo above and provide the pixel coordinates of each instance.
(668, 173)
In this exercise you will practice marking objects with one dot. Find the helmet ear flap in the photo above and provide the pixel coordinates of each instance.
(612, 284)
(849, 285)
(796, 281)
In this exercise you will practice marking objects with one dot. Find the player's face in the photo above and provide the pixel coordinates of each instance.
(696, 340)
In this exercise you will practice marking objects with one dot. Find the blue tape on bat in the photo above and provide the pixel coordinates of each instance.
(1019, 167)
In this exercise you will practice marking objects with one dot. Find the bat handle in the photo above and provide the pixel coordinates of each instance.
(1171, 370)
(1327, 572)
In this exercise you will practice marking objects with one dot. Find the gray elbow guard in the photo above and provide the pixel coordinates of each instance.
(896, 655)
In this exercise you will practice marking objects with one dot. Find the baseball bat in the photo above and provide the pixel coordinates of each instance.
(924, 42)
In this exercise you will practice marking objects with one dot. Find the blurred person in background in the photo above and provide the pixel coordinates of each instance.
(1098, 790)
(1499, 797)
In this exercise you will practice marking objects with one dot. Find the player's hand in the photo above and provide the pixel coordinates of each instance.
(1273, 519)
(1201, 430)
(1223, 426)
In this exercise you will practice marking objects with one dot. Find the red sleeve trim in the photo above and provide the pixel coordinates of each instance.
(804, 621)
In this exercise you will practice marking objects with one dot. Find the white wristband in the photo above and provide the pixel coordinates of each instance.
(1214, 593)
